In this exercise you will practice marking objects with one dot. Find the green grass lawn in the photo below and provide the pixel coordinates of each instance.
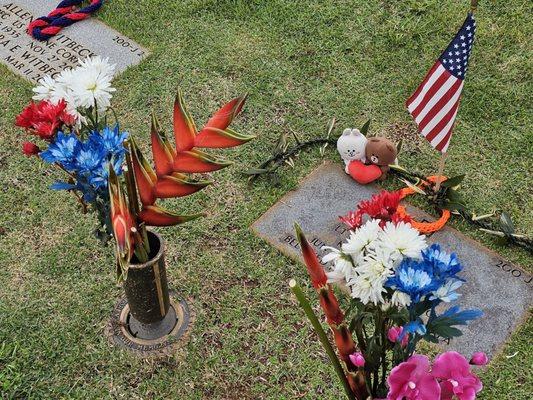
(302, 62)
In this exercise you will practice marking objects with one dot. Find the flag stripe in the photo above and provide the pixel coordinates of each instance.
(430, 93)
(431, 129)
(442, 91)
(443, 145)
(439, 104)
(419, 88)
(441, 130)
(429, 83)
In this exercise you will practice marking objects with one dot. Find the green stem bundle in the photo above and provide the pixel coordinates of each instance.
(304, 303)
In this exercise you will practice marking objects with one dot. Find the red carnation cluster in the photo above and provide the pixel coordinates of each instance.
(30, 149)
(44, 119)
(382, 206)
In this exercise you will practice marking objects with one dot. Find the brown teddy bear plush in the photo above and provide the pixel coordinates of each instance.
(381, 152)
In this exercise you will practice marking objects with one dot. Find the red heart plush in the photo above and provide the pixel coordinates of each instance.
(362, 173)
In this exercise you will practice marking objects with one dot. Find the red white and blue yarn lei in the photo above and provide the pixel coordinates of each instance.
(64, 15)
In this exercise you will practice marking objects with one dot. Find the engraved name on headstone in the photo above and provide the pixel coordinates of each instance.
(33, 59)
(504, 292)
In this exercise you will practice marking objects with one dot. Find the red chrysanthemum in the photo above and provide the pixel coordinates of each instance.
(44, 119)
(30, 149)
(382, 206)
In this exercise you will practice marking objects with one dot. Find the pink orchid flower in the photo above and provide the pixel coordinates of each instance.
(479, 358)
(411, 380)
(394, 334)
(357, 359)
(456, 380)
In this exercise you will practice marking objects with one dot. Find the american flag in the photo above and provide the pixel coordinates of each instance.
(435, 103)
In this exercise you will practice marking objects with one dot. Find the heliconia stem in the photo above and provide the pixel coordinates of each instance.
(140, 251)
(133, 201)
(334, 315)
(300, 296)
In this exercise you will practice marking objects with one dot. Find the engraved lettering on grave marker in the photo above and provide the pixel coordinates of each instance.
(33, 60)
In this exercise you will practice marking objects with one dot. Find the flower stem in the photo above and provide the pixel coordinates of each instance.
(322, 336)
(133, 202)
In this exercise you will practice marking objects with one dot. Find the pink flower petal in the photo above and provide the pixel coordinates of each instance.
(429, 388)
(449, 364)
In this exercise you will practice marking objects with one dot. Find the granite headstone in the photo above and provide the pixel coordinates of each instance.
(32, 59)
(503, 291)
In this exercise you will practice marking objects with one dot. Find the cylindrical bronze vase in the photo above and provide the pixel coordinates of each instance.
(146, 286)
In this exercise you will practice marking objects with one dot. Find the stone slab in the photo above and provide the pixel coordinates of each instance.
(503, 291)
(32, 59)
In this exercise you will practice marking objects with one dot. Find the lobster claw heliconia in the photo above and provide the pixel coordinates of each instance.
(168, 180)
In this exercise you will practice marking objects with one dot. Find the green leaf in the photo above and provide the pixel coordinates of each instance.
(431, 338)
(415, 188)
(399, 146)
(281, 146)
(451, 206)
(446, 331)
(506, 223)
(330, 127)
(366, 126)
(255, 171)
(453, 196)
(452, 182)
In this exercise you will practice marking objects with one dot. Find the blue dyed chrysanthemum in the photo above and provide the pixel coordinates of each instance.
(445, 265)
(111, 139)
(88, 161)
(413, 327)
(90, 157)
(461, 317)
(413, 278)
(63, 151)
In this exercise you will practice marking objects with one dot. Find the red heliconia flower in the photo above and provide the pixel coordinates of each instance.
(330, 305)
(30, 149)
(314, 269)
(168, 179)
(122, 221)
(44, 119)
(382, 206)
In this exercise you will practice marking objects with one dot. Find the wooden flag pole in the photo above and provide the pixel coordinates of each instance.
(442, 161)
(473, 6)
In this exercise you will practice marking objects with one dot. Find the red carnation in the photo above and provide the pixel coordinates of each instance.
(44, 119)
(26, 118)
(30, 149)
(382, 206)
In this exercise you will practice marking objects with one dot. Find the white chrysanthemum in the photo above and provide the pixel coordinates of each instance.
(400, 299)
(66, 77)
(402, 240)
(63, 90)
(371, 275)
(342, 267)
(362, 239)
(90, 88)
(363, 289)
(376, 266)
(98, 64)
(45, 88)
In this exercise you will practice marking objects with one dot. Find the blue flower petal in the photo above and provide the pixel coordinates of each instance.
(58, 185)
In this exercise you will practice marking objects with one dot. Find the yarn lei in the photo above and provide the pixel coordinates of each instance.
(64, 15)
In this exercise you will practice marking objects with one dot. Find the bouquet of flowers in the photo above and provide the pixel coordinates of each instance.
(395, 282)
(69, 114)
